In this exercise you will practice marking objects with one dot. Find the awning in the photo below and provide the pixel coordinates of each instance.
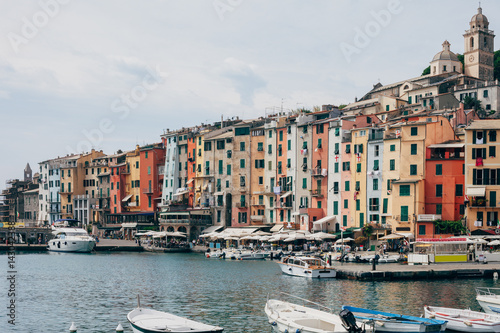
(127, 198)
(190, 181)
(447, 145)
(219, 193)
(406, 234)
(276, 228)
(295, 213)
(180, 193)
(211, 229)
(286, 194)
(318, 225)
(475, 191)
(129, 225)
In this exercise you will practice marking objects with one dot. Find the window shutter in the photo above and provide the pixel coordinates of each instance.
(473, 153)
(484, 153)
(484, 136)
(474, 175)
(473, 138)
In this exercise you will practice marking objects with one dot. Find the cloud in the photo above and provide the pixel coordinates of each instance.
(244, 79)
(4, 94)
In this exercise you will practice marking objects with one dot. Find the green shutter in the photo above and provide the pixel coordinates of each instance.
(493, 199)
(384, 205)
(404, 213)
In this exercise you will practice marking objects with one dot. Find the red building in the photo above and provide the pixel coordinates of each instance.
(152, 162)
(444, 188)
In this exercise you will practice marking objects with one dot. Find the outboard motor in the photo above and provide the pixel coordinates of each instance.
(349, 322)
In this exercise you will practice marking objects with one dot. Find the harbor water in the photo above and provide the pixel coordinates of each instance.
(96, 291)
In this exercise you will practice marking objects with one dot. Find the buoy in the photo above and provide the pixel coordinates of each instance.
(119, 328)
(495, 275)
(72, 328)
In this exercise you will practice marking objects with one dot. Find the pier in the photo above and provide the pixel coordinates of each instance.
(399, 272)
(104, 245)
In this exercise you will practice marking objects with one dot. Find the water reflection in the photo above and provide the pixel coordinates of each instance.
(97, 291)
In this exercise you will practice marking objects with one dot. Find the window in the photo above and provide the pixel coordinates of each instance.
(346, 166)
(384, 205)
(319, 143)
(304, 182)
(335, 208)
(358, 167)
(492, 134)
(485, 93)
(439, 169)
(149, 170)
(319, 128)
(392, 147)
(404, 190)
(358, 185)
(413, 150)
(439, 208)
(347, 186)
(337, 150)
(344, 220)
(348, 148)
(289, 145)
(228, 168)
(242, 163)
(281, 135)
(335, 187)
(336, 167)
(358, 204)
(221, 144)
(491, 151)
(414, 131)
(459, 190)
(242, 146)
(375, 184)
(439, 190)
(421, 229)
(280, 150)
(373, 204)
(392, 165)
(493, 199)
(404, 213)
(413, 169)
(346, 203)
(375, 165)
(221, 167)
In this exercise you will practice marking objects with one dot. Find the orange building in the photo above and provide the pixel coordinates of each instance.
(444, 188)
(319, 166)
(152, 162)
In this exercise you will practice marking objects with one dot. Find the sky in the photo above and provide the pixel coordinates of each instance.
(77, 75)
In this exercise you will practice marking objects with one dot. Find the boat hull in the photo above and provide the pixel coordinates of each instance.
(465, 320)
(489, 305)
(308, 272)
(289, 317)
(151, 321)
(385, 322)
(71, 245)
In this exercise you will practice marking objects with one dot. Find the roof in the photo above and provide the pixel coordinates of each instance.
(484, 124)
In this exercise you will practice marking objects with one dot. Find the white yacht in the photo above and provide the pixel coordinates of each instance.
(307, 267)
(69, 238)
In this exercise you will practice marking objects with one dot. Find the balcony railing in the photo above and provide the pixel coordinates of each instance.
(316, 193)
(376, 136)
(318, 172)
(241, 204)
(147, 190)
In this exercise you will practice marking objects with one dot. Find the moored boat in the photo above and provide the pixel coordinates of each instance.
(391, 322)
(489, 299)
(290, 317)
(464, 320)
(69, 238)
(151, 321)
(307, 267)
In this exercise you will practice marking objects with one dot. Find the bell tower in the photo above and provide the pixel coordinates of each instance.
(479, 50)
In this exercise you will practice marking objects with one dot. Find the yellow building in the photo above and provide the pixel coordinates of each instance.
(482, 174)
(133, 180)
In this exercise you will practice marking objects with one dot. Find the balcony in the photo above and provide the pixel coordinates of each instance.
(316, 193)
(241, 204)
(318, 172)
(478, 202)
(147, 190)
(347, 137)
(374, 207)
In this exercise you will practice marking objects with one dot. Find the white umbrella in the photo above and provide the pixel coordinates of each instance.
(495, 242)
(262, 233)
(179, 234)
(348, 239)
(246, 238)
(231, 238)
(321, 236)
(159, 235)
(391, 236)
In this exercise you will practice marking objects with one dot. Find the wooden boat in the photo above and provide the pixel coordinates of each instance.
(307, 267)
(390, 322)
(464, 320)
(489, 299)
(290, 317)
(151, 321)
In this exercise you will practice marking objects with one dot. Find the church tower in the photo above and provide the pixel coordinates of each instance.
(478, 50)
(28, 174)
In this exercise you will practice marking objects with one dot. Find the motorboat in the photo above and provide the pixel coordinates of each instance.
(250, 255)
(307, 267)
(286, 316)
(69, 238)
(144, 320)
(388, 258)
(390, 322)
(489, 299)
(464, 320)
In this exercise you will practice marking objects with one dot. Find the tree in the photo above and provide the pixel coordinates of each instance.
(472, 103)
(341, 106)
(496, 65)
(426, 71)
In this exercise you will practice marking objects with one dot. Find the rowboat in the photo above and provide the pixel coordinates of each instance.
(489, 299)
(151, 321)
(307, 267)
(464, 320)
(390, 322)
(290, 317)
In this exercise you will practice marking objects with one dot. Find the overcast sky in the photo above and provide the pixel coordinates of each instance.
(113, 74)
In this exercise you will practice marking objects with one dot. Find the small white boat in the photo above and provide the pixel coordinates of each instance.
(489, 299)
(250, 255)
(386, 258)
(290, 317)
(464, 320)
(307, 267)
(151, 321)
(397, 323)
(70, 239)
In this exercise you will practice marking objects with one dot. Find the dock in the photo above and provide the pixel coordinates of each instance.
(104, 245)
(401, 272)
